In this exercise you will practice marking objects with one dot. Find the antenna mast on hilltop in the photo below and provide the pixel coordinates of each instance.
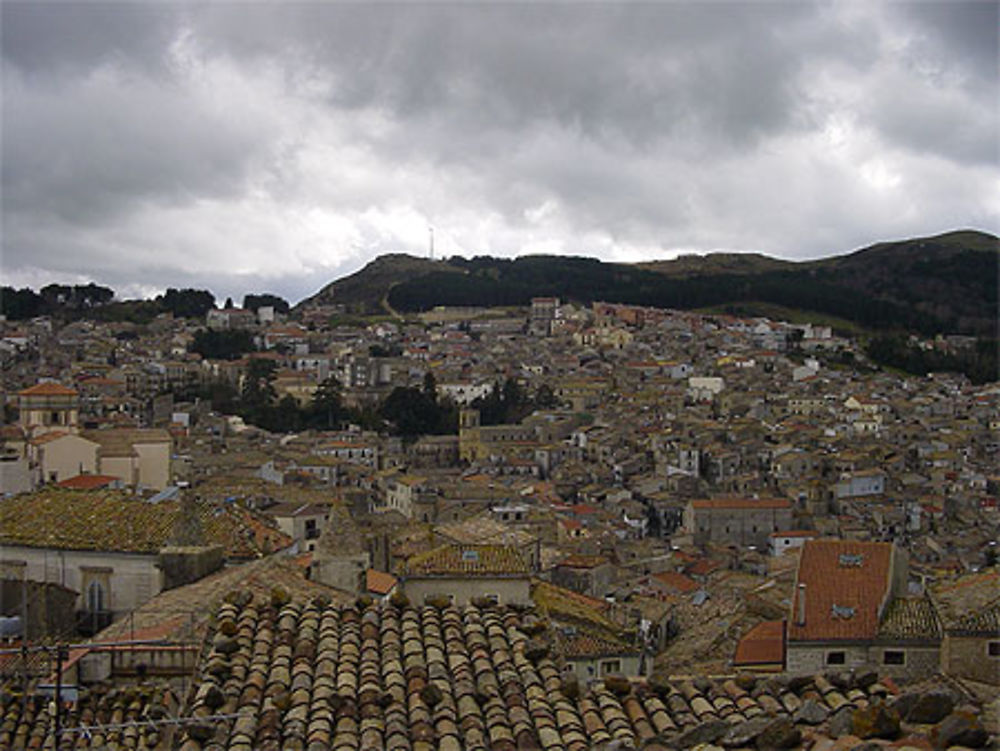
(430, 250)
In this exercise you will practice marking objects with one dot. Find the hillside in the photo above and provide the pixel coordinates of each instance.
(717, 263)
(364, 292)
(951, 278)
(946, 283)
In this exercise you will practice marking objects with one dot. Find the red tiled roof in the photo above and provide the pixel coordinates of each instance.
(589, 646)
(742, 503)
(47, 389)
(88, 482)
(48, 437)
(468, 560)
(379, 582)
(703, 567)
(843, 596)
(578, 560)
(763, 644)
(676, 581)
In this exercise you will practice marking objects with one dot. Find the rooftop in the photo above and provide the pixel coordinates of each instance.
(743, 503)
(114, 521)
(762, 644)
(846, 583)
(468, 560)
(47, 389)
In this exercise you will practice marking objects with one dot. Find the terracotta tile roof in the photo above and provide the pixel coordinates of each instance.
(578, 560)
(675, 581)
(30, 724)
(11, 432)
(588, 645)
(565, 604)
(88, 482)
(764, 644)
(312, 674)
(983, 622)
(115, 521)
(379, 582)
(704, 567)
(468, 560)
(47, 389)
(48, 437)
(847, 582)
(910, 618)
(742, 503)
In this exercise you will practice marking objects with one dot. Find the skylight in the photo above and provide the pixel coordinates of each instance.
(851, 559)
(842, 611)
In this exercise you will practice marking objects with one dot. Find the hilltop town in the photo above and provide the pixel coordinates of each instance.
(554, 526)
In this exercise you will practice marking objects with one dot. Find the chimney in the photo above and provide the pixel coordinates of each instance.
(801, 620)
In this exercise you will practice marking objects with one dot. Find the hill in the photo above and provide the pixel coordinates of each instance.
(364, 292)
(941, 284)
(717, 263)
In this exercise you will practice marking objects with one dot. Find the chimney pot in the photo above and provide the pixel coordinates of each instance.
(801, 620)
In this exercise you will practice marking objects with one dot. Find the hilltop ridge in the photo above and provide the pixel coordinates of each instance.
(945, 283)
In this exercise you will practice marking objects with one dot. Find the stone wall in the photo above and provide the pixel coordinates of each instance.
(183, 565)
(968, 657)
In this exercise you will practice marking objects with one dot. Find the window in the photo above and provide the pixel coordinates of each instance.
(893, 657)
(495, 599)
(836, 658)
(95, 597)
(611, 666)
(993, 649)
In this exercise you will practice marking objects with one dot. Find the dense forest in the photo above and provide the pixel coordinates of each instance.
(491, 281)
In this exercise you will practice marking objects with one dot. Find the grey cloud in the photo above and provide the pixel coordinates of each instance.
(965, 33)
(65, 38)
(100, 147)
(686, 124)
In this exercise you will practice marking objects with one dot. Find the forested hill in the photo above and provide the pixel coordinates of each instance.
(946, 283)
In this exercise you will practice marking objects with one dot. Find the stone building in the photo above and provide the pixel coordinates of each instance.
(850, 610)
(463, 573)
(340, 559)
(737, 521)
(972, 646)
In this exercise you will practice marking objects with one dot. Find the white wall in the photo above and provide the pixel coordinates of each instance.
(134, 578)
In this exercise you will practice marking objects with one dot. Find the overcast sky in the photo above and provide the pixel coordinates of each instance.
(250, 147)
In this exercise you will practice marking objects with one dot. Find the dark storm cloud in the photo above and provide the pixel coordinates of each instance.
(63, 38)
(966, 33)
(274, 145)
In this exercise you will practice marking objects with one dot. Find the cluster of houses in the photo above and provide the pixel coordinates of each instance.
(707, 494)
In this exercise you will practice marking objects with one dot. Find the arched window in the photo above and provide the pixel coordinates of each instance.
(95, 597)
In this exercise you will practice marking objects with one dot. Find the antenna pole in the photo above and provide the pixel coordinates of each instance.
(431, 233)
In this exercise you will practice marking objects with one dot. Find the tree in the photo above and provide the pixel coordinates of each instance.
(258, 388)
(19, 304)
(545, 397)
(187, 303)
(327, 408)
(253, 302)
(223, 345)
(229, 303)
(430, 385)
